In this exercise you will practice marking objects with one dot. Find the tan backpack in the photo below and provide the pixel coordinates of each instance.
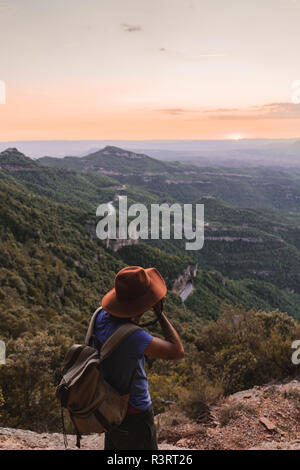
(93, 404)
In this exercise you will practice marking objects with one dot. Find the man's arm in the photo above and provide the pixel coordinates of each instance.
(168, 348)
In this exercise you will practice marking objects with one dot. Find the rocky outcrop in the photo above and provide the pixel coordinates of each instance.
(264, 417)
(113, 244)
(185, 280)
(118, 243)
(235, 239)
(118, 152)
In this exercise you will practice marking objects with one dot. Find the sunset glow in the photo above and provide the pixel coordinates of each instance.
(133, 69)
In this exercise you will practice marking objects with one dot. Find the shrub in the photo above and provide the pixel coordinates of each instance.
(28, 382)
(230, 412)
(198, 395)
(242, 349)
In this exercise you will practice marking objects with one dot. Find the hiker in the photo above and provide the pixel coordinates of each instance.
(136, 291)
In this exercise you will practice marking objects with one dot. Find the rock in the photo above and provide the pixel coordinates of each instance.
(268, 424)
(181, 442)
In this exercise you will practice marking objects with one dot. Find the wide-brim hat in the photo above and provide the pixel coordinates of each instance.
(136, 291)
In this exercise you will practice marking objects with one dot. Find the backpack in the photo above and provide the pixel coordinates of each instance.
(94, 406)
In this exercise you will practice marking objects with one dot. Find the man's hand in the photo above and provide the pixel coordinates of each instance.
(168, 348)
(158, 308)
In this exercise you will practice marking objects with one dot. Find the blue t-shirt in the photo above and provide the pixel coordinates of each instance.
(119, 367)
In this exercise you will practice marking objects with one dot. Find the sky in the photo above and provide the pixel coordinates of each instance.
(149, 69)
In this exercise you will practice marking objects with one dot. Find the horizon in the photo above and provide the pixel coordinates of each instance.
(164, 149)
(134, 71)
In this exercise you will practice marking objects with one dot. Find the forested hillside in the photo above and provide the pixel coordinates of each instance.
(54, 272)
(53, 275)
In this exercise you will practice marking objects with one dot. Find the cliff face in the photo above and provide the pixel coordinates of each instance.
(185, 280)
(117, 244)
(113, 244)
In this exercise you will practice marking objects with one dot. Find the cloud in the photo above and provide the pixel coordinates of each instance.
(177, 111)
(266, 111)
(129, 28)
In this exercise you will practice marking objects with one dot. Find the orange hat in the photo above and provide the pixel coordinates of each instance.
(136, 291)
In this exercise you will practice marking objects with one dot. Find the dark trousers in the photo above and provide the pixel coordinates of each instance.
(136, 432)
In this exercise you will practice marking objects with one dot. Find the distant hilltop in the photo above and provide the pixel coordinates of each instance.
(109, 160)
(12, 160)
(111, 150)
(244, 152)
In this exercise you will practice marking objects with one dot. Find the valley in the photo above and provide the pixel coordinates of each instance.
(54, 271)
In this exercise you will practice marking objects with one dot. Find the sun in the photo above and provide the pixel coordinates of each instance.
(236, 137)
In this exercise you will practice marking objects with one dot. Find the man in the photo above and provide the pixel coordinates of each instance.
(136, 291)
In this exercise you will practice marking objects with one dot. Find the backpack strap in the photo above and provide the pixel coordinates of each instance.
(90, 330)
(116, 338)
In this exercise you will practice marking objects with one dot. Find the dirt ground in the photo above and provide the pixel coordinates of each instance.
(266, 417)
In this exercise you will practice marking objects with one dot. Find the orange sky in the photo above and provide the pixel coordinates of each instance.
(134, 69)
(38, 116)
